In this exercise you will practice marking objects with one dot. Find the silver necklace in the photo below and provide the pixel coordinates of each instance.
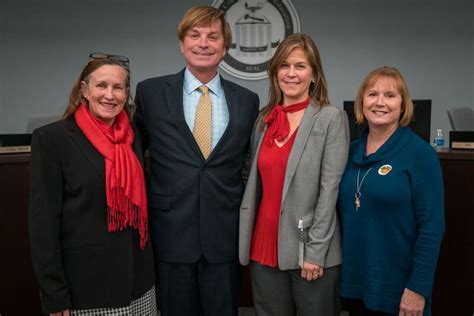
(357, 195)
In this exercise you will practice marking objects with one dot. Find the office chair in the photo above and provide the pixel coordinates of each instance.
(461, 119)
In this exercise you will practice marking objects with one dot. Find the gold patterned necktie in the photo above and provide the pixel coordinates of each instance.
(203, 122)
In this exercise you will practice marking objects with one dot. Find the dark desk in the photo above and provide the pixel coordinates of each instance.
(453, 292)
(19, 294)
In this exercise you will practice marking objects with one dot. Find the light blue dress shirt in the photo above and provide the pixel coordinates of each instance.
(220, 112)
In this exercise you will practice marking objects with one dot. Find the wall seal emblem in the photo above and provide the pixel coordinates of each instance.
(257, 29)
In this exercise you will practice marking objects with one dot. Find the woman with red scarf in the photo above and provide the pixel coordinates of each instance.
(87, 217)
(289, 230)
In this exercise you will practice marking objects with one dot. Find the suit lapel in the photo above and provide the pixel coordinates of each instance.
(232, 100)
(257, 140)
(91, 154)
(300, 141)
(174, 101)
(253, 186)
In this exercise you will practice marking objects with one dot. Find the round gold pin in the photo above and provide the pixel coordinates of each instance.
(384, 170)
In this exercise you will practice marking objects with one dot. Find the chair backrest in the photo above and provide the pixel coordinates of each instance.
(420, 123)
(461, 119)
(40, 120)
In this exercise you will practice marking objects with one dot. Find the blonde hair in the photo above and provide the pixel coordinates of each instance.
(400, 84)
(318, 89)
(204, 15)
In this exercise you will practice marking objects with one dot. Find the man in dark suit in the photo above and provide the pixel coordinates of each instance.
(196, 185)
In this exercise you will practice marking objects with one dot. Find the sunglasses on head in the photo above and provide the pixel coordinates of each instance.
(121, 59)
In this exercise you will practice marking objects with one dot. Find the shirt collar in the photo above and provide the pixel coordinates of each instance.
(191, 83)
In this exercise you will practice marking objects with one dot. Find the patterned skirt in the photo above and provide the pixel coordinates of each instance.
(144, 305)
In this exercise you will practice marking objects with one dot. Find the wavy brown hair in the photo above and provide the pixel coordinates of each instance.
(204, 15)
(401, 86)
(318, 89)
(76, 97)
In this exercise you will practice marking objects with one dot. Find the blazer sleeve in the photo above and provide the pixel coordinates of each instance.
(333, 163)
(428, 200)
(139, 118)
(44, 222)
(248, 156)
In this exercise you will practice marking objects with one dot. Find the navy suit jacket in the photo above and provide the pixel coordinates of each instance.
(193, 202)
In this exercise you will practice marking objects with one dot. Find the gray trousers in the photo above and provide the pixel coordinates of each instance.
(286, 293)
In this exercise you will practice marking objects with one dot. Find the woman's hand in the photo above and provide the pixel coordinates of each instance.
(63, 313)
(411, 304)
(311, 271)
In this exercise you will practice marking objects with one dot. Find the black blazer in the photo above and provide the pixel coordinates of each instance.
(77, 262)
(193, 202)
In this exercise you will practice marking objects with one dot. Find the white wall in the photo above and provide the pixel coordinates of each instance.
(45, 43)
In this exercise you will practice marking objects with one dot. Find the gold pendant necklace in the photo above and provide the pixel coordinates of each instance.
(357, 195)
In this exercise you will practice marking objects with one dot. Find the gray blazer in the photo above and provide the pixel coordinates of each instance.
(308, 227)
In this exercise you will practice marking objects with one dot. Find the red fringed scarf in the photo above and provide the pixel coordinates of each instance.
(124, 178)
(277, 120)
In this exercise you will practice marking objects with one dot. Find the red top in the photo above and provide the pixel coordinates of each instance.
(272, 161)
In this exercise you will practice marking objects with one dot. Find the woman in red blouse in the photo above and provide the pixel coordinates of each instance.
(289, 231)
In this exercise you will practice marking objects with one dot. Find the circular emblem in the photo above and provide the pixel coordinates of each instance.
(384, 170)
(257, 29)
